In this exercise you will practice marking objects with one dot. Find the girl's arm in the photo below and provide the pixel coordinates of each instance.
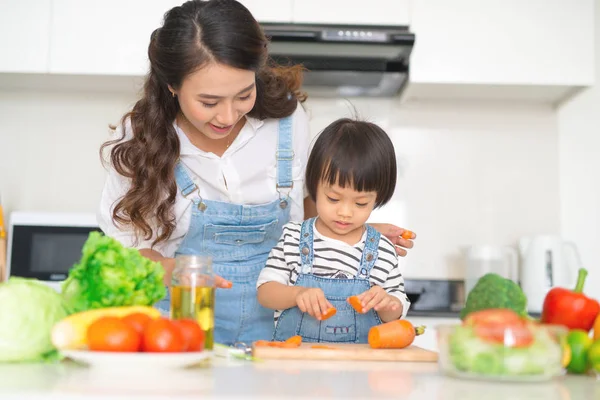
(277, 296)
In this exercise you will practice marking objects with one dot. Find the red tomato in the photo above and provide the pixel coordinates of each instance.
(193, 335)
(112, 334)
(138, 321)
(501, 326)
(162, 336)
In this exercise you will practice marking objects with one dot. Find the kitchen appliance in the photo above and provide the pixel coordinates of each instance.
(346, 352)
(345, 60)
(483, 259)
(547, 261)
(45, 245)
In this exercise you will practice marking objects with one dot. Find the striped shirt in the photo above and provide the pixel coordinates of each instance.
(333, 259)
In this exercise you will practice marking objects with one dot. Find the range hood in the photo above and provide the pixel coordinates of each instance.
(344, 60)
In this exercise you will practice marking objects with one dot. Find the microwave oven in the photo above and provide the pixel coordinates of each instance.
(45, 245)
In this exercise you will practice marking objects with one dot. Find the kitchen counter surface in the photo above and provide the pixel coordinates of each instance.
(228, 379)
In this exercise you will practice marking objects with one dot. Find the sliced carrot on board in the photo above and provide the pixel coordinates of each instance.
(328, 314)
(323, 347)
(286, 345)
(355, 303)
(262, 343)
(406, 234)
(294, 340)
(396, 334)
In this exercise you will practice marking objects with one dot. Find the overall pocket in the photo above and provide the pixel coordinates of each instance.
(231, 243)
(341, 328)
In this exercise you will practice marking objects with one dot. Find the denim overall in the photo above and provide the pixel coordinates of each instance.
(346, 325)
(238, 238)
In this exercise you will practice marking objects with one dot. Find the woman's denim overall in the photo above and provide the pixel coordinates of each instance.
(239, 238)
(346, 325)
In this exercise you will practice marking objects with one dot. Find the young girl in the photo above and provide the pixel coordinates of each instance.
(320, 263)
(211, 158)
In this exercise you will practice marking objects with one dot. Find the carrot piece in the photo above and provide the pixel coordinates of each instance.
(320, 346)
(407, 234)
(355, 303)
(396, 334)
(286, 345)
(262, 343)
(294, 340)
(328, 314)
(274, 344)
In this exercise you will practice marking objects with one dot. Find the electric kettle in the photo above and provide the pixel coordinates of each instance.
(546, 263)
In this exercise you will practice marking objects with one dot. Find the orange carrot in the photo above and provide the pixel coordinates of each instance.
(328, 314)
(262, 343)
(323, 347)
(407, 234)
(286, 345)
(294, 340)
(355, 303)
(396, 334)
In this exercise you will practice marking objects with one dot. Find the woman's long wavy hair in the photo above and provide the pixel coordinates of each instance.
(192, 35)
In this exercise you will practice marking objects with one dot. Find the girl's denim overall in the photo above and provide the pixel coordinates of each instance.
(346, 325)
(239, 238)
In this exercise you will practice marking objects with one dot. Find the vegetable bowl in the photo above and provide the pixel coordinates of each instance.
(501, 345)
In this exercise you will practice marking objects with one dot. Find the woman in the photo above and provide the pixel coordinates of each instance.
(211, 159)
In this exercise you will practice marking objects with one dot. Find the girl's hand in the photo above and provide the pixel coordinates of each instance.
(313, 302)
(379, 300)
(402, 238)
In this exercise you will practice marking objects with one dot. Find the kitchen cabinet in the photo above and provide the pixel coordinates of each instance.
(535, 43)
(24, 27)
(110, 37)
(374, 12)
(269, 10)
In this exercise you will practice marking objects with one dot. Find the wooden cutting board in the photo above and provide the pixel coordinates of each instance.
(345, 351)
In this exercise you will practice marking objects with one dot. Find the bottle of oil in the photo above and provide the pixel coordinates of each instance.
(193, 293)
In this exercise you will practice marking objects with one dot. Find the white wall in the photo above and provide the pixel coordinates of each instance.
(470, 173)
(579, 169)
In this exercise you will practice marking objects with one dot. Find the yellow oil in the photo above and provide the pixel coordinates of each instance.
(197, 303)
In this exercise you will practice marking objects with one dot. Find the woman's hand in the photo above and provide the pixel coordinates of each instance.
(168, 265)
(313, 302)
(400, 237)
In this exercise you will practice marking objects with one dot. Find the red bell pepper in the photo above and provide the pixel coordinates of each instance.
(572, 309)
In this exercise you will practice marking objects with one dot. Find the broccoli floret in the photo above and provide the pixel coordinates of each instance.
(494, 291)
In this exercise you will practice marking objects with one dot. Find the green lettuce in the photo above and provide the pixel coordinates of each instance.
(111, 275)
(470, 354)
(28, 311)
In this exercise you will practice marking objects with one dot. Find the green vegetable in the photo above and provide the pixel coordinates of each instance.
(110, 275)
(28, 311)
(494, 291)
(470, 354)
(579, 342)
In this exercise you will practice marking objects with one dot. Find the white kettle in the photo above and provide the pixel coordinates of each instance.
(545, 263)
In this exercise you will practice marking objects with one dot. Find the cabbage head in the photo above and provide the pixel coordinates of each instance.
(28, 311)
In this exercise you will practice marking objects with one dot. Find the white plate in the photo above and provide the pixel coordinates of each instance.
(116, 360)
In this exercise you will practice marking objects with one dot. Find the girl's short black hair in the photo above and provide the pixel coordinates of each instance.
(355, 153)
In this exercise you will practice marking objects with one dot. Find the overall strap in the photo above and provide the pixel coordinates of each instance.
(305, 245)
(185, 183)
(285, 154)
(370, 253)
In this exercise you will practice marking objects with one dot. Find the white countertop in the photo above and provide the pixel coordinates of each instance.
(225, 379)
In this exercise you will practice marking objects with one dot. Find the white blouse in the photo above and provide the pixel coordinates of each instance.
(245, 174)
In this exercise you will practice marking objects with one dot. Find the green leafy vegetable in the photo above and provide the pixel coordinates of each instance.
(468, 353)
(110, 275)
(494, 291)
(28, 311)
